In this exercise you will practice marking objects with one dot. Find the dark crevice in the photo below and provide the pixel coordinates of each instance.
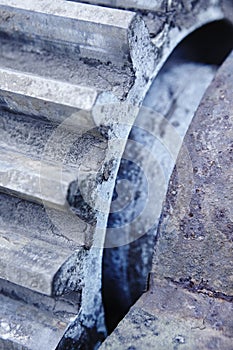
(210, 44)
(78, 204)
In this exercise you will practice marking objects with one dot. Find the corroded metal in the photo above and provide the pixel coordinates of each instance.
(73, 77)
(189, 299)
(169, 317)
(195, 234)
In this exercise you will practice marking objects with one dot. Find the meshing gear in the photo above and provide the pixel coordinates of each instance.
(73, 77)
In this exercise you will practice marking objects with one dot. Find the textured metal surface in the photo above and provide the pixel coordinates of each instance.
(72, 79)
(131, 4)
(198, 213)
(157, 137)
(169, 317)
(31, 264)
(189, 301)
(25, 327)
(94, 32)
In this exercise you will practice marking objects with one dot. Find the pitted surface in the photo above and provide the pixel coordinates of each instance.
(189, 299)
(167, 317)
(50, 62)
(66, 62)
(197, 216)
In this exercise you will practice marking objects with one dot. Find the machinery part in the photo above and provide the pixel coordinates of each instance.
(148, 161)
(72, 79)
(189, 301)
(159, 130)
(198, 217)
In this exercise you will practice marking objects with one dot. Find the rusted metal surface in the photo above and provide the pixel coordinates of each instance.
(73, 77)
(196, 230)
(158, 131)
(170, 317)
(189, 303)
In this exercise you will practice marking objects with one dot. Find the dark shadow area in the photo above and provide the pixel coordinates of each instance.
(209, 44)
(124, 270)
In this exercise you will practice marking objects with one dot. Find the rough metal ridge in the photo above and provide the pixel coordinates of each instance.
(153, 146)
(72, 78)
(197, 216)
(158, 5)
(190, 292)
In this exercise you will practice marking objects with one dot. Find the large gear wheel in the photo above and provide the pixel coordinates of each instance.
(93, 115)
